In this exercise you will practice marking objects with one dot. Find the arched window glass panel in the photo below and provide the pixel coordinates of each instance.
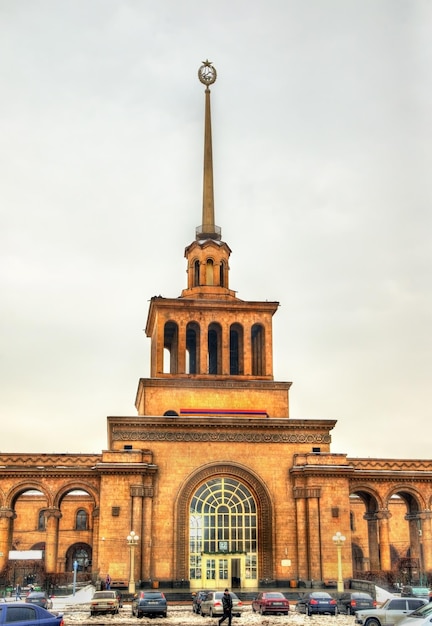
(82, 557)
(222, 518)
(196, 280)
(81, 520)
(222, 274)
(41, 520)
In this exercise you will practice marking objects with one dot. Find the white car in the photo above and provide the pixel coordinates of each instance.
(391, 612)
(419, 617)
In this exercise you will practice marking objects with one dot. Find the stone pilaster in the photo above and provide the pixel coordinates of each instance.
(6, 524)
(383, 516)
(52, 517)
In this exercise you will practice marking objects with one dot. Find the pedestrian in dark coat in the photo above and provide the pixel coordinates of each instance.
(227, 605)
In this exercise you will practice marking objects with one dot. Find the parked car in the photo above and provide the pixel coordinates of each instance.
(270, 602)
(419, 617)
(196, 601)
(212, 604)
(23, 614)
(149, 603)
(317, 603)
(415, 592)
(104, 602)
(41, 598)
(349, 603)
(391, 612)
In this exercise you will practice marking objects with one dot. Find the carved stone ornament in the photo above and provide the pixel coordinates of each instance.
(207, 73)
(230, 437)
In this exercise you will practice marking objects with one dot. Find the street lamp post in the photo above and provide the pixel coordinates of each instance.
(75, 567)
(339, 540)
(132, 541)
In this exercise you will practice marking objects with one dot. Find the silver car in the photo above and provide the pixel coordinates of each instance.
(391, 612)
(212, 604)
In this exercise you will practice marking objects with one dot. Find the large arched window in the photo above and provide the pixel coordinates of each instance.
(82, 554)
(222, 521)
(81, 520)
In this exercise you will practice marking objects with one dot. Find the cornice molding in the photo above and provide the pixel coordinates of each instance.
(59, 461)
(394, 465)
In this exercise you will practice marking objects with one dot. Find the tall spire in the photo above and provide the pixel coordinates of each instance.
(208, 229)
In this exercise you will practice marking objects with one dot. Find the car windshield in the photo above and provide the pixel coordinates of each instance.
(386, 603)
(423, 611)
(417, 590)
(103, 594)
(274, 595)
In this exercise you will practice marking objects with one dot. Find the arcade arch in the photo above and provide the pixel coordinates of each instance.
(48, 519)
(389, 526)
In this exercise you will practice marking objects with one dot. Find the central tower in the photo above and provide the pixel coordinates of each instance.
(211, 353)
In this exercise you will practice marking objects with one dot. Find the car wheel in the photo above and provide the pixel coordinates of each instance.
(373, 621)
(164, 614)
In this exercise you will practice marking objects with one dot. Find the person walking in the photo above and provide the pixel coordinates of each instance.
(17, 593)
(108, 582)
(227, 605)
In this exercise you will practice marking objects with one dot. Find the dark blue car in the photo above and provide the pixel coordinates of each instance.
(23, 614)
(317, 603)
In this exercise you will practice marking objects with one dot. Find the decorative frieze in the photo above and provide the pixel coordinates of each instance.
(307, 492)
(217, 436)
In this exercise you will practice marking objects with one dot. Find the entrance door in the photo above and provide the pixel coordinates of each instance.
(221, 571)
(236, 573)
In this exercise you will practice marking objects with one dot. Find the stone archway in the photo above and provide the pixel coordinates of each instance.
(264, 515)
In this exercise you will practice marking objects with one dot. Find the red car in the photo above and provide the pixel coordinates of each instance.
(270, 602)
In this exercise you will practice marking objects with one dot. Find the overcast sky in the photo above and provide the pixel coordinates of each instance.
(322, 149)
